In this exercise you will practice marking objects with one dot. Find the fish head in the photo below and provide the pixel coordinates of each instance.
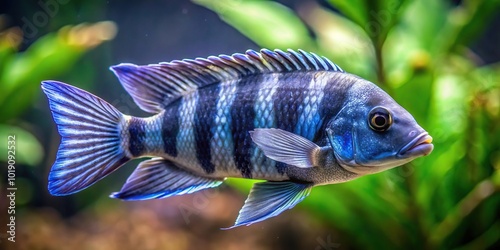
(373, 133)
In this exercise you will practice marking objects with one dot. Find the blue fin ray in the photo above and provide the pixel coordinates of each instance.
(283, 146)
(269, 199)
(155, 86)
(159, 178)
(90, 145)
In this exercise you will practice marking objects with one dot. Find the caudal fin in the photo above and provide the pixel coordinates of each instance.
(90, 147)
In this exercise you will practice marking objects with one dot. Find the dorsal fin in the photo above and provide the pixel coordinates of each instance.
(155, 86)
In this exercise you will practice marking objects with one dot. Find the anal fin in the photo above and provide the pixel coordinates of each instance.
(269, 199)
(159, 178)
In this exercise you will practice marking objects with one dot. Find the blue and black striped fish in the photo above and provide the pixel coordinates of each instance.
(291, 118)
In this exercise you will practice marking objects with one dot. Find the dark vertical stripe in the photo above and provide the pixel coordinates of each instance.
(136, 136)
(335, 93)
(281, 167)
(170, 128)
(242, 121)
(289, 99)
(289, 104)
(204, 122)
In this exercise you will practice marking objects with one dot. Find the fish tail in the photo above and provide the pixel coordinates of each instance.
(91, 144)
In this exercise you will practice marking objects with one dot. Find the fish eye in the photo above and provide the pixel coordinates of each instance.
(380, 119)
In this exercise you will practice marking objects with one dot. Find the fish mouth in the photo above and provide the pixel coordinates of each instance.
(419, 146)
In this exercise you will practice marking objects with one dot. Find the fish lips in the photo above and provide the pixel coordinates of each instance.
(419, 146)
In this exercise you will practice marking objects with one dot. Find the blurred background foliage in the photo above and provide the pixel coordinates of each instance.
(438, 59)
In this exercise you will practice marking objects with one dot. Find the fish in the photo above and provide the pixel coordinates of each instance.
(291, 118)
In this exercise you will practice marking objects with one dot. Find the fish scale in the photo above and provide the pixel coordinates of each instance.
(262, 166)
(186, 144)
(291, 118)
(242, 120)
(310, 121)
(221, 144)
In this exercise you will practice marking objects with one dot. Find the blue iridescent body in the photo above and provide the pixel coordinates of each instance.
(292, 118)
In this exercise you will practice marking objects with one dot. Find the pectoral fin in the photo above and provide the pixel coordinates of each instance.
(286, 147)
(269, 199)
(159, 178)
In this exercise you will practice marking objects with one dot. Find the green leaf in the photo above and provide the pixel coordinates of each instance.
(48, 57)
(415, 95)
(355, 10)
(27, 148)
(341, 40)
(376, 18)
(268, 23)
(244, 185)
